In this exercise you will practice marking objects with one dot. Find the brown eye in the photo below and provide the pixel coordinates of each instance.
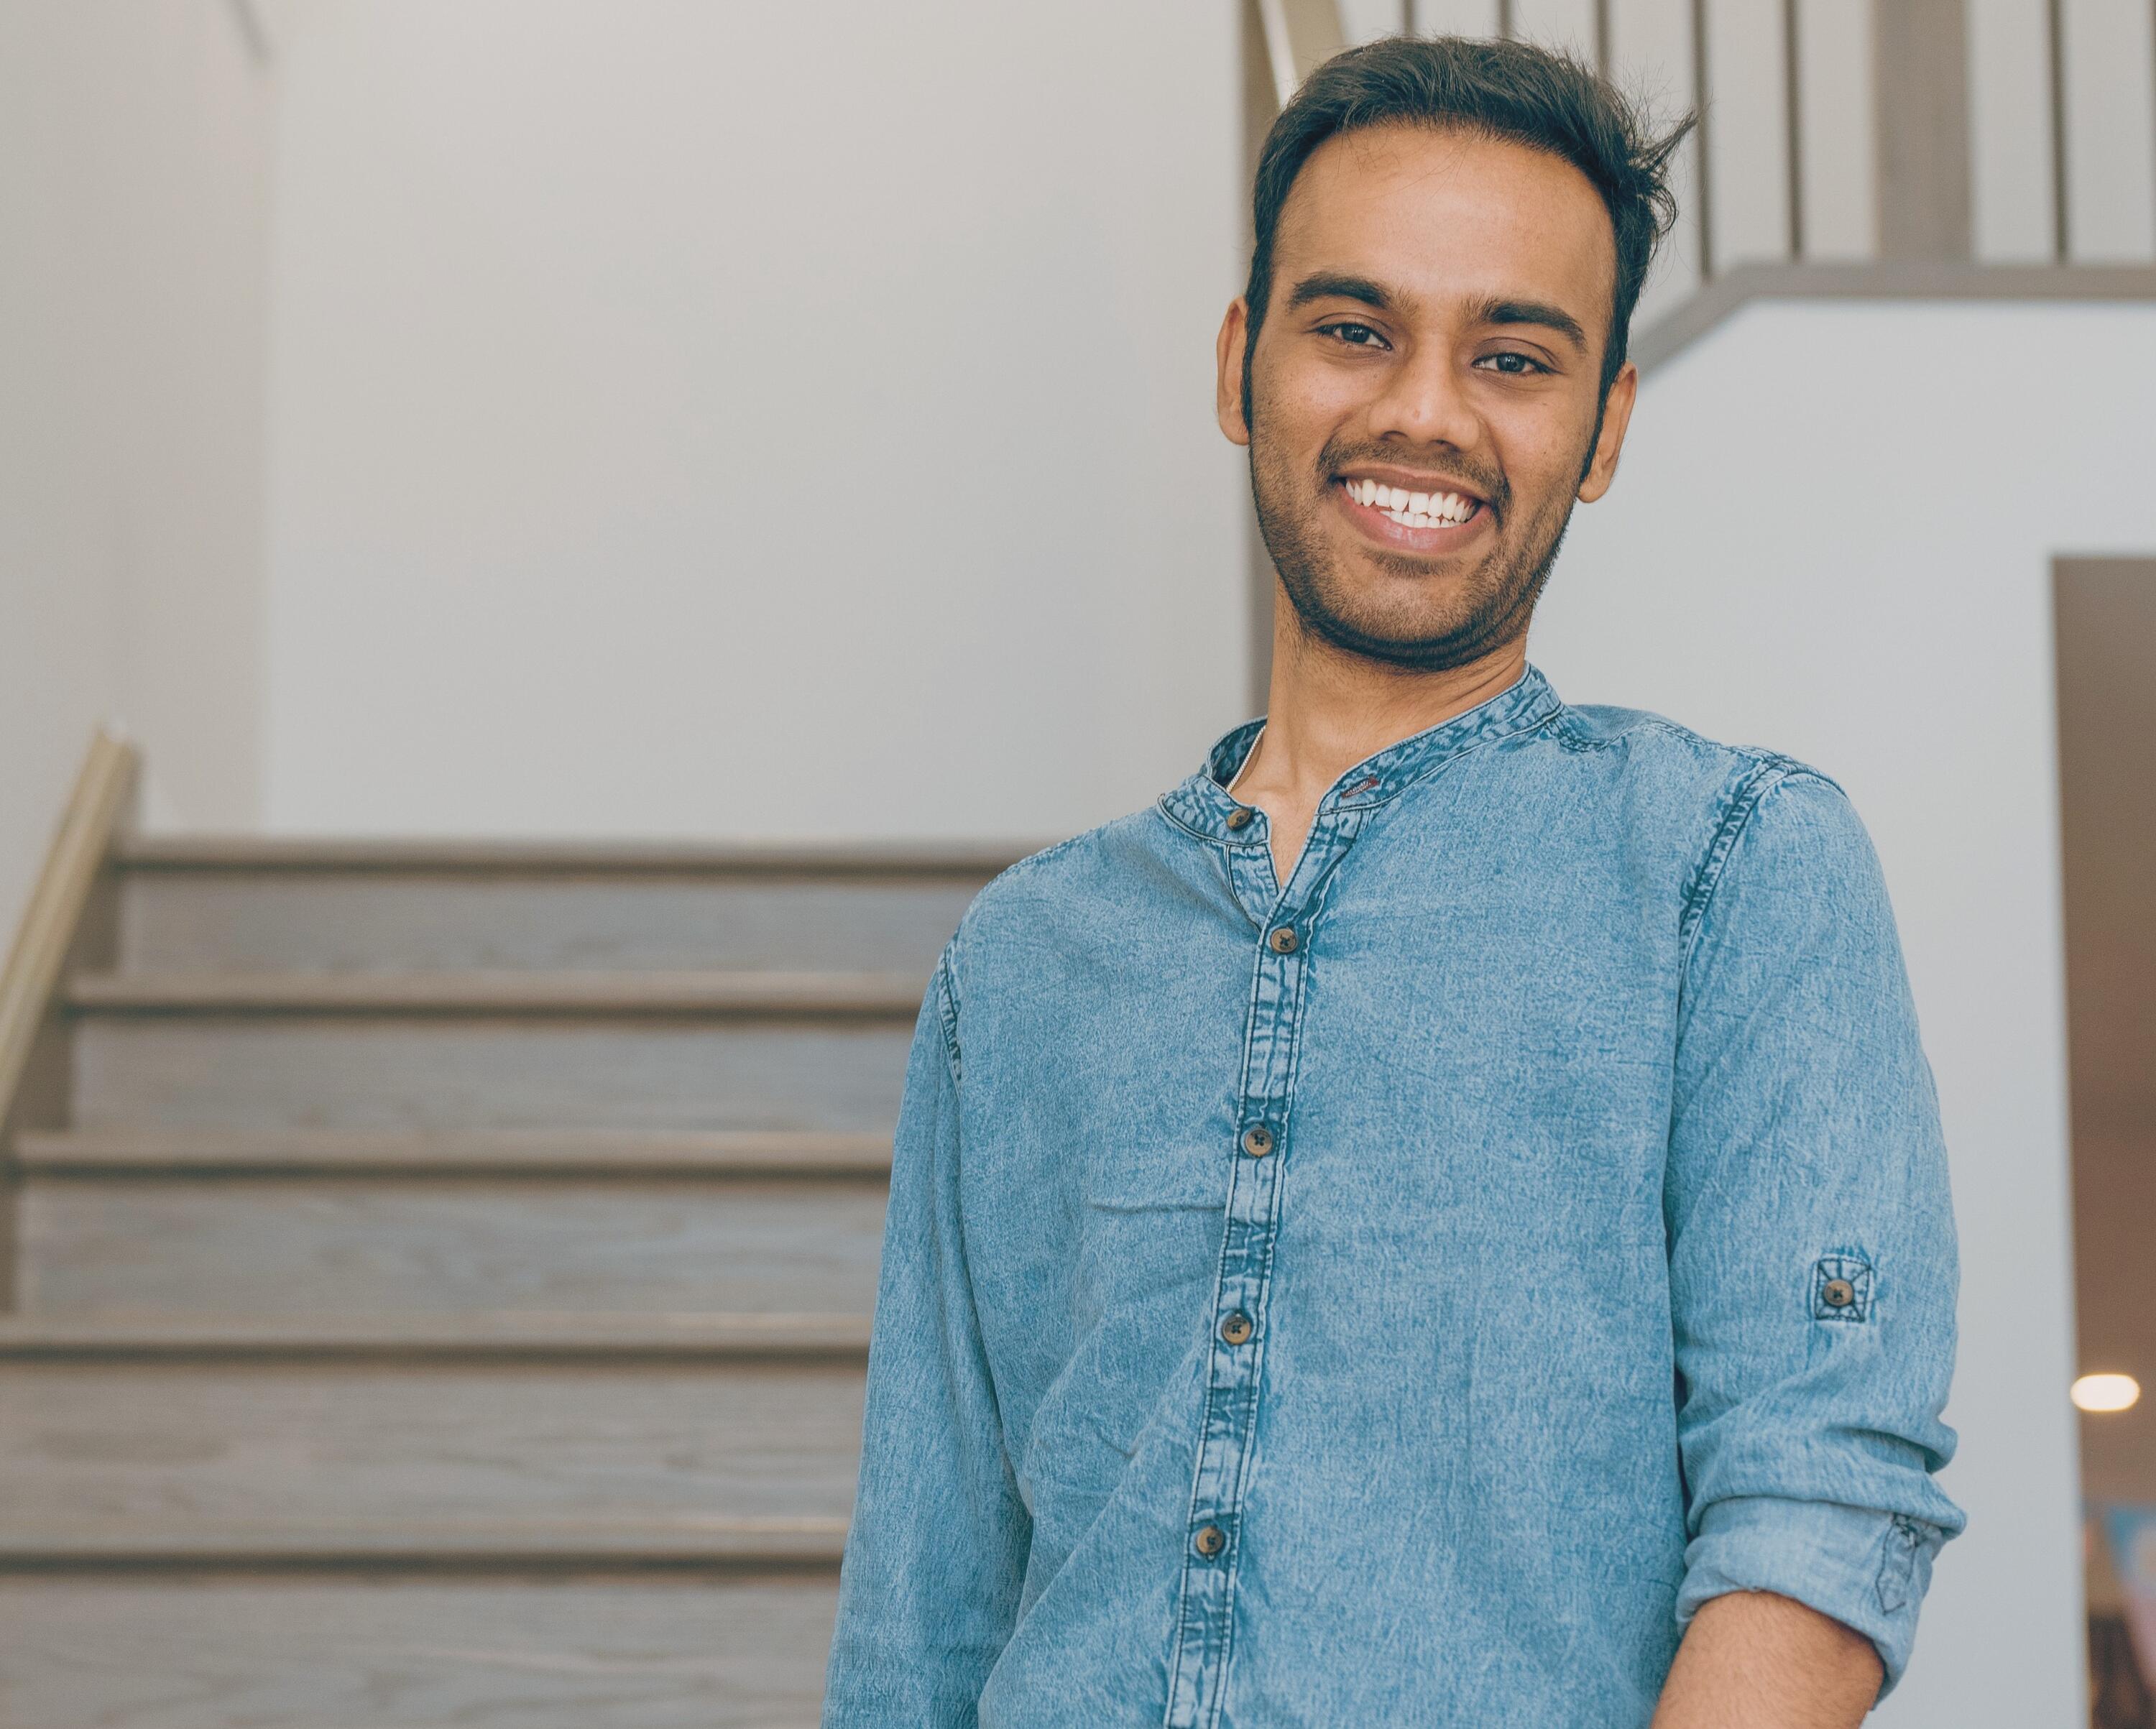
(1361, 335)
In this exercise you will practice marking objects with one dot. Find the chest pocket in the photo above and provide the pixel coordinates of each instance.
(1183, 1174)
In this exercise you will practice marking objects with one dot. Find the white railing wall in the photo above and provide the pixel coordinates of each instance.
(1839, 132)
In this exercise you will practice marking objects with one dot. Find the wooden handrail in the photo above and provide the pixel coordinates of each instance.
(79, 851)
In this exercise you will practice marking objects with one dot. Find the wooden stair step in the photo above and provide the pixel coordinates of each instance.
(731, 993)
(816, 1542)
(377, 1243)
(586, 1153)
(373, 1071)
(484, 1335)
(372, 909)
(198, 1648)
(423, 855)
(230, 1455)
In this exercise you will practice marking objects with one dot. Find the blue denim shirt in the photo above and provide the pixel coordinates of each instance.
(1403, 1297)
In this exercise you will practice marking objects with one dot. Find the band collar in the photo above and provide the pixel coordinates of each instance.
(1203, 805)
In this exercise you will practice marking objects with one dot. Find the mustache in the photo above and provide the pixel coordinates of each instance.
(1484, 478)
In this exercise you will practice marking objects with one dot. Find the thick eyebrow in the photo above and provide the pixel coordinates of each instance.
(1551, 318)
(1326, 286)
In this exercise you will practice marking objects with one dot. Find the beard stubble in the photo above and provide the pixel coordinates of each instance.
(1454, 617)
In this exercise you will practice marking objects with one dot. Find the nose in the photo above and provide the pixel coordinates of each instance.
(1424, 403)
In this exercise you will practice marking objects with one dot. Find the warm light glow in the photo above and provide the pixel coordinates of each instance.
(2106, 1393)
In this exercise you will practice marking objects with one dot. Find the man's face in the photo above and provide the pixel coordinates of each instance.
(1425, 388)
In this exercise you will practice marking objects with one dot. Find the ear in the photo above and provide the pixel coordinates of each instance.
(1616, 416)
(1227, 384)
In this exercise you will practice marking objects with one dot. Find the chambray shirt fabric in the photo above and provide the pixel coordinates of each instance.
(1598, 1259)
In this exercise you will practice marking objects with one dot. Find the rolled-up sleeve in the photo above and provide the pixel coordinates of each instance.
(937, 1550)
(1812, 1262)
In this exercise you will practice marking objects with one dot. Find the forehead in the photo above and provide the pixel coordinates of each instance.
(1443, 215)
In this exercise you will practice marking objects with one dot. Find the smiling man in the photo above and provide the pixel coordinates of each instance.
(1442, 1220)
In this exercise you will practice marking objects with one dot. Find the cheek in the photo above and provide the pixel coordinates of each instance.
(1303, 407)
(1543, 448)
(1297, 416)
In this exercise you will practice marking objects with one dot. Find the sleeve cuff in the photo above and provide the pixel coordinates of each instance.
(1867, 1570)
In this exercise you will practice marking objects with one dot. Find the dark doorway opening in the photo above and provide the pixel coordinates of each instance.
(2105, 637)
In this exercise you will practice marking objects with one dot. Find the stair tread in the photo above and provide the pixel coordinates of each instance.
(249, 852)
(377, 1069)
(493, 1332)
(98, 1648)
(732, 1539)
(456, 1152)
(726, 992)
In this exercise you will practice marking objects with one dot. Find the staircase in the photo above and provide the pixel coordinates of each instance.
(442, 1296)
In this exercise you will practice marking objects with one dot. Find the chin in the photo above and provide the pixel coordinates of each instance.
(1419, 642)
(1369, 618)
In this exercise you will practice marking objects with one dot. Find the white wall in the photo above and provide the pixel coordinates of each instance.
(1832, 534)
(133, 205)
(725, 420)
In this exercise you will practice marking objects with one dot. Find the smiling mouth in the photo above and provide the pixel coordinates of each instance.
(1412, 509)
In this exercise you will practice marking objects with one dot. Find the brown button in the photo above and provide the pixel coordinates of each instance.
(1839, 1293)
(1240, 816)
(1210, 1540)
(1236, 1329)
(1282, 942)
(1257, 1140)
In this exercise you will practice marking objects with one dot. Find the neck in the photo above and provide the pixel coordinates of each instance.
(1328, 709)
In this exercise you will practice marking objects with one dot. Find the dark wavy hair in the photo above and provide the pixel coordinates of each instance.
(1511, 91)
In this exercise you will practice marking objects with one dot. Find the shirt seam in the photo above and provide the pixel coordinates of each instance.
(946, 989)
(1488, 740)
(1162, 810)
(1767, 773)
(1573, 738)
(1763, 774)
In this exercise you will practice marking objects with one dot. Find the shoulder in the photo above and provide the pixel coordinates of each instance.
(1714, 801)
(1654, 762)
(1655, 744)
(1086, 866)
(1770, 839)
(1056, 896)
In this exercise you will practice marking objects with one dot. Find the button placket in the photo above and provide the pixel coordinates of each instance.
(1205, 1611)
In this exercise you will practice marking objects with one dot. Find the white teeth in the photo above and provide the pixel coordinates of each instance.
(1412, 509)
